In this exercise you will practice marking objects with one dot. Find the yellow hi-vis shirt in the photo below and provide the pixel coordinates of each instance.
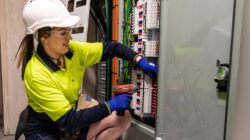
(53, 90)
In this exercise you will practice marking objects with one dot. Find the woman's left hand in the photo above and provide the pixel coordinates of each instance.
(149, 68)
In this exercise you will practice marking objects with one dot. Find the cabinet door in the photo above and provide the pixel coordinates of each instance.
(194, 35)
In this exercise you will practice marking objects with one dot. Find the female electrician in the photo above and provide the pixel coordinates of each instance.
(53, 73)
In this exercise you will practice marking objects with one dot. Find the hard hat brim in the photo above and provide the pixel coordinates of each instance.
(70, 21)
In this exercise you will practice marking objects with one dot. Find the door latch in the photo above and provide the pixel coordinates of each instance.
(222, 76)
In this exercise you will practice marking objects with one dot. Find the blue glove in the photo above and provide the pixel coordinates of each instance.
(120, 102)
(149, 68)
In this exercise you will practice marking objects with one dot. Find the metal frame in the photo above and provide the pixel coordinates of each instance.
(235, 54)
(121, 22)
(162, 70)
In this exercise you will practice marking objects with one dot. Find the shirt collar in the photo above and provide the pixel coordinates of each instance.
(44, 58)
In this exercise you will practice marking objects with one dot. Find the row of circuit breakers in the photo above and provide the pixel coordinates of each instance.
(145, 18)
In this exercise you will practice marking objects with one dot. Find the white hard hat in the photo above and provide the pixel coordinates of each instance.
(46, 13)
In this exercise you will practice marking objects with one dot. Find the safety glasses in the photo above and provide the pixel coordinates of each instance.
(62, 33)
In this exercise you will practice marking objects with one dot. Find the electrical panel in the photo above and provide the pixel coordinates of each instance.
(145, 17)
(80, 8)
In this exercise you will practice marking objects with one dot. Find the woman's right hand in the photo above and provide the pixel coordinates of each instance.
(120, 102)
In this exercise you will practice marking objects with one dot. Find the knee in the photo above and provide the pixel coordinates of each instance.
(127, 119)
(116, 120)
(127, 116)
(124, 121)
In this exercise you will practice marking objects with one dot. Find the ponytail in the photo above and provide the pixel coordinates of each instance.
(25, 52)
(26, 48)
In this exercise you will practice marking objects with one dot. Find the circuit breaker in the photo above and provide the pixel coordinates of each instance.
(144, 37)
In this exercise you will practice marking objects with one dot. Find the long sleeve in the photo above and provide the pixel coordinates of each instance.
(117, 49)
(77, 119)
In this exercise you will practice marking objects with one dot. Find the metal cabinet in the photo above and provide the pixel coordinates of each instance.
(194, 35)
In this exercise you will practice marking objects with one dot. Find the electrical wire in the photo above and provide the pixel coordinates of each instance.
(127, 66)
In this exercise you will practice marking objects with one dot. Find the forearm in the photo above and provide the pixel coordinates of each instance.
(117, 49)
(77, 119)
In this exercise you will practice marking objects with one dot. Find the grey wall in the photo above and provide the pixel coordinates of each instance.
(11, 33)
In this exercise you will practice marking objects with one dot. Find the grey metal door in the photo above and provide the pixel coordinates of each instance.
(194, 34)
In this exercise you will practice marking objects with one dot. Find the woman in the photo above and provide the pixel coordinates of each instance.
(53, 74)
